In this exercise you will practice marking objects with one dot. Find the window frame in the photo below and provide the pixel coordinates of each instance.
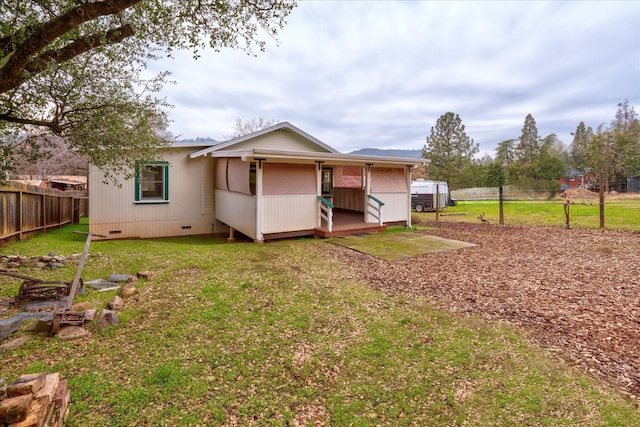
(139, 199)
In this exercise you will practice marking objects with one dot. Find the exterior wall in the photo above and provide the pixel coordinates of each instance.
(279, 140)
(394, 209)
(348, 198)
(237, 210)
(114, 213)
(289, 213)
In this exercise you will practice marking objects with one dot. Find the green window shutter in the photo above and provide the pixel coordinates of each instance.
(137, 177)
(166, 181)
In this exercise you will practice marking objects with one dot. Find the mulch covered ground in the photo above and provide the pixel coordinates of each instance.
(576, 292)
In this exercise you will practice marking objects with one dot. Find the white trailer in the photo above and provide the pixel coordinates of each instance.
(423, 195)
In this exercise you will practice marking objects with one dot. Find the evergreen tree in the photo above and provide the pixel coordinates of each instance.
(529, 143)
(449, 150)
(536, 168)
(577, 152)
(505, 152)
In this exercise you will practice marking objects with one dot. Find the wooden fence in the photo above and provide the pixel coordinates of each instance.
(26, 210)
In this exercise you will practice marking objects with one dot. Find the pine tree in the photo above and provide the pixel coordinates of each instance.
(581, 139)
(529, 143)
(449, 150)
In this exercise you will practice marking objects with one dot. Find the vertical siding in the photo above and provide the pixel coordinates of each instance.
(348, 198)
(289, 213)
(238, 211)
(114, 213)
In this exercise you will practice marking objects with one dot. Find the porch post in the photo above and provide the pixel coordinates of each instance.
(259, 204)
(319, 193)
(367, 191)
(408, 178)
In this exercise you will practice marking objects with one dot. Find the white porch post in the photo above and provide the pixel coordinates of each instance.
(367, 191)
(318, 193)
(259, 204)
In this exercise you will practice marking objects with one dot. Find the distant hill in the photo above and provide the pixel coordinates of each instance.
(410, 154)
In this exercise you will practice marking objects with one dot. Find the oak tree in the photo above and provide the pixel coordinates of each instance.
(76, 69)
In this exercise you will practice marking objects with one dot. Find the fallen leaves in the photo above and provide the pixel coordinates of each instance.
(575, 291)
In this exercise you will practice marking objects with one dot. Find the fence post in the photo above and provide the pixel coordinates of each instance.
(20, 226)
(437, 202)
(500, 200)
(601, 200)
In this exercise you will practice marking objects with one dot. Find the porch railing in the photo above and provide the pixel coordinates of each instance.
(326, 212)
(379, 205)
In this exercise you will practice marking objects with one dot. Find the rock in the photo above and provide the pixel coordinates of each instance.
(45, 258)
(15, 409)
(90, 315)
(146, 275)
(9, 326)
(15, 343)
(46, 394)
(42, 326)
(13, 264)
(40, 265)
(26, 384)
(72, 332)
(107, 318)
(101, 285)
(54, 265)
(81, 306)
(128, 290)
(116, 303)
(119, 278)
(38, 306)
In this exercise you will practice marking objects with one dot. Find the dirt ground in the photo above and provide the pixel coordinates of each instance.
(576, 292)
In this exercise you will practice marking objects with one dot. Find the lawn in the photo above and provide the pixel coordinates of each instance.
(277, 334)
(623, 214)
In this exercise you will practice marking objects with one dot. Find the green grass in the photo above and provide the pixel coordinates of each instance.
(619, 214)
(394, 244)
(275, 334)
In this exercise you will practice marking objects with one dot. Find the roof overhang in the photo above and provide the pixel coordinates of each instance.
(298, 157)
(284, 125)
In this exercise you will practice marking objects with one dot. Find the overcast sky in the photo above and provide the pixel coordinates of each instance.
(379, 74)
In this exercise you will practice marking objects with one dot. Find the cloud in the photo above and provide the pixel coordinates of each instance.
(380, 74)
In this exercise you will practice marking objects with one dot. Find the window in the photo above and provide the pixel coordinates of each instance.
(152, 182)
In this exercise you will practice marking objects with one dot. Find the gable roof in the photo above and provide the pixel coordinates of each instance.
(279, 126)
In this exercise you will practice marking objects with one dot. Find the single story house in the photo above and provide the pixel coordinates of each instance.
(274, 183)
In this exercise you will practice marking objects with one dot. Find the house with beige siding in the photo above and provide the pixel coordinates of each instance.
(275, 183)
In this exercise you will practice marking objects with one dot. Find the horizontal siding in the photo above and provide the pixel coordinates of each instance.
(113, 211)
(396, 207)
(286, 141)
(289, 213)
(151, 229)
(238, 211)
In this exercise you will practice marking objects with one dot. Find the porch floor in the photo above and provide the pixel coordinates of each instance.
(347, 222)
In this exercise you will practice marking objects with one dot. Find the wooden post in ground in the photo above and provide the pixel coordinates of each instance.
(500, 200)
(601, 200)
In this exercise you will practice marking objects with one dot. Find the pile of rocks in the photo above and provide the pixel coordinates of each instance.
(35, 400)
(51, 261)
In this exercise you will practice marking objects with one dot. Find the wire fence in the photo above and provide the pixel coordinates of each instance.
(573, 208)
